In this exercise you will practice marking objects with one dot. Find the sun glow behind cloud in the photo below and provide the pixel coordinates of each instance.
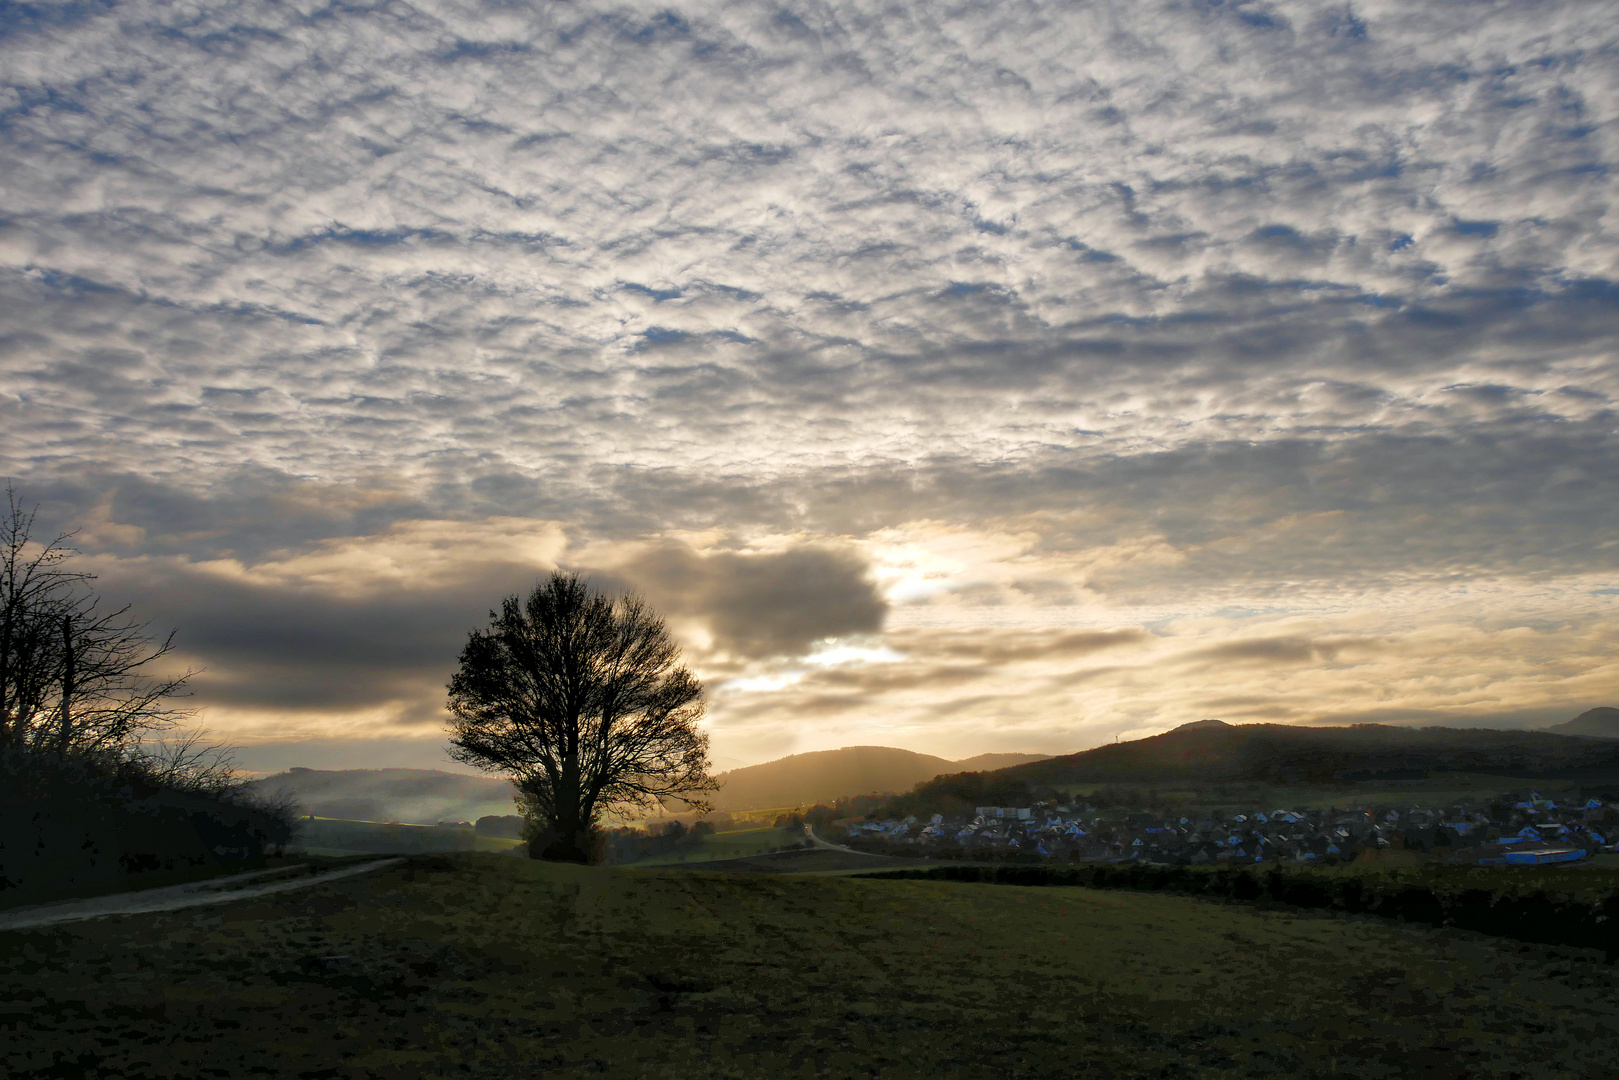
(975, 669)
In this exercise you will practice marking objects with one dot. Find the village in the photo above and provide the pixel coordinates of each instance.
(1520, 828)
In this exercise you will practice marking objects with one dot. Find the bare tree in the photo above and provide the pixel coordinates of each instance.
(581, 699)
(33, 589)
(96, 778)
(186, 761)
(74, 678)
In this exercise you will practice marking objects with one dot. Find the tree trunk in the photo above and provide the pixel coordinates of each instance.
(570, 836)
(572, 840)
(574, 849)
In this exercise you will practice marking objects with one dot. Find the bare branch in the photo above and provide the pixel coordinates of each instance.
(189, 763)
(74, 677)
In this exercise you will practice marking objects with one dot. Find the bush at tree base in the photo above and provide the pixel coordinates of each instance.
(67, 822)
(505, 826)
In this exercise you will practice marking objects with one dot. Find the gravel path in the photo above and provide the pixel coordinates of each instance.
(213, 891)
(827, 845)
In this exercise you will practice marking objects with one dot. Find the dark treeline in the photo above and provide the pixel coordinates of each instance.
(626, 845)
(1533, 915)
(80, 820)
(97, 779)
(959, 793)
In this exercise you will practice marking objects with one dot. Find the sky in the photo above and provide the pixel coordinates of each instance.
(957, 377)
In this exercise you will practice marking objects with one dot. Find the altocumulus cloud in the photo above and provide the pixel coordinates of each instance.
(1234, 330)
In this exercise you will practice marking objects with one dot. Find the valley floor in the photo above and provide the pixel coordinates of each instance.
(486, 966)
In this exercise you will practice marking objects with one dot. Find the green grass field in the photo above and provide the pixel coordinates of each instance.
(482, 966)
(736, 844)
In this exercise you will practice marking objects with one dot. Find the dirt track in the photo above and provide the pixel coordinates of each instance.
(212, 891)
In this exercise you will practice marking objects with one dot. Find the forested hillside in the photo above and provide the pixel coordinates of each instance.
(828, 775)
(1276, 753)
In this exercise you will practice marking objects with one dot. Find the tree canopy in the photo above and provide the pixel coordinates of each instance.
(581, 699)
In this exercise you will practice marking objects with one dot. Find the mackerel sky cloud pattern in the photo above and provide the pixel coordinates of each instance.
(961, 377)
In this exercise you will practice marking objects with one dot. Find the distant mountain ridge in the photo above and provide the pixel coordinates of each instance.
(1280, 753)
(1198, 725)
(1601, 722)
(426, 796)
(824, 776)
(1203, 751)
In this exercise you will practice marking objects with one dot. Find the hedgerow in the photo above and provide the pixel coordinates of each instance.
(1506, 909)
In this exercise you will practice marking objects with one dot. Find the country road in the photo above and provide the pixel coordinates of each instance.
(213, 891)
(242, 886)
(827, 844)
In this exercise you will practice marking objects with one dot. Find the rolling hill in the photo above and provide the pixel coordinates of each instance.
(982, 762)
(1278, 753)
(411, 796)
(428, 796)
(1601, 722)
(827, 775)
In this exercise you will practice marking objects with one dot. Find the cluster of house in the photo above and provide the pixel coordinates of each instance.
(1523, 829)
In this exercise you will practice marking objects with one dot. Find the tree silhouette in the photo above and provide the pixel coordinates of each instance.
(581, 699)
(74, 678)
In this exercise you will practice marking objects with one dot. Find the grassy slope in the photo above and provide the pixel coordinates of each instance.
(735, 844)
(825, 775)
(341, 836)
(486, 966)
